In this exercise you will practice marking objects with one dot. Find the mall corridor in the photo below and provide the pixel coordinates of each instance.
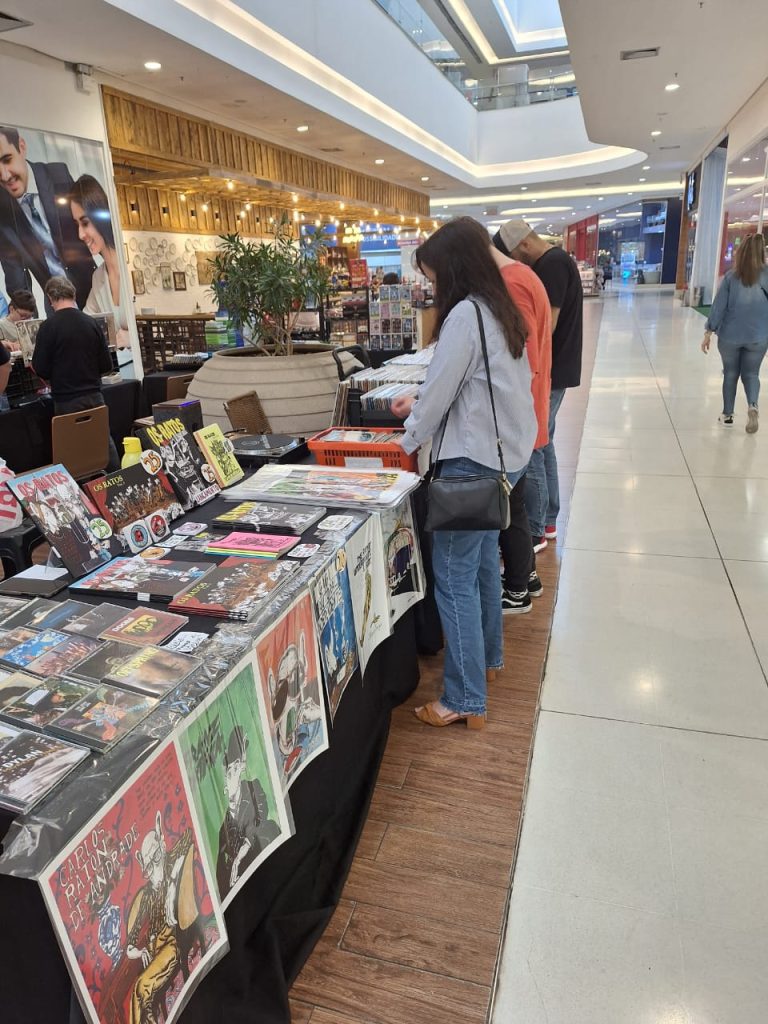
(639, 891)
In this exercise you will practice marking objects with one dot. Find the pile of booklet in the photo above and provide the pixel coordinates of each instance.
(252, 545)
(354, 488)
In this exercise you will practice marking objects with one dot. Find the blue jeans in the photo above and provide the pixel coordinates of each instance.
(741, 361)
(542, 488)
(468, 596)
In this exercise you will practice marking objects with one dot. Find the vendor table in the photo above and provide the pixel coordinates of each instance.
(25, 432)
(282, 910)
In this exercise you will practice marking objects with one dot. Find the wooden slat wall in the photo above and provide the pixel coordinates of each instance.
(138, 127)
(189, 217)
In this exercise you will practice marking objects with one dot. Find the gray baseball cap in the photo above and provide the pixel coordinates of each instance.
(510, 235)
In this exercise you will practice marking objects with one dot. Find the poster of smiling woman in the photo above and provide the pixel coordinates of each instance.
(234, 780)
(55, 219)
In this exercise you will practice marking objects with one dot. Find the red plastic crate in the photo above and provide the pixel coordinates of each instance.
(363, 454)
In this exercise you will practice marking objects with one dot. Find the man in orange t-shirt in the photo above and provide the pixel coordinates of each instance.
(521, 581)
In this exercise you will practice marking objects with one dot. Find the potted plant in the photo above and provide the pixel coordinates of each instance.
(265, 285)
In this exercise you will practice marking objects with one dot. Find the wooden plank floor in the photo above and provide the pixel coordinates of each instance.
(416, 936)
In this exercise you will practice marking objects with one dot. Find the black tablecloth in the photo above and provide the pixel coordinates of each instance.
(25, 432)
(283, 909)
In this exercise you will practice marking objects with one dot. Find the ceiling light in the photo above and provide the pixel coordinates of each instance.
(672, 87)
(317, 223)
(402, 219)
(375, 213)
(646, 167)
(294, 197)
(655, 134)
(470, 82)
(152, 65)
(600, 199)
(641, 179)
(242, 215)
(182, 197)
(425, 177)
(746, 159)
(379, 160)
(587, 207)
(230, 185)
(302, 127)
(204, 207)
(247, 206)
(341, 206)
(523, 188)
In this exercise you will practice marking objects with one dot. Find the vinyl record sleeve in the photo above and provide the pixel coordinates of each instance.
(103, 717)
(31, 765)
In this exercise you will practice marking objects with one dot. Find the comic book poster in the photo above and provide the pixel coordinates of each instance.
(57, 506)
(289, 674)
(405, 574)
(133, 904)
(368, 584)
(232, 773)
(192, 478)
(332, 601)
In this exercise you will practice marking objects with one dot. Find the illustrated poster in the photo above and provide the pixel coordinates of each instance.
(368, 584)
(289, 673)
(332, 601)
(133, 903)
(405, 574)
(233, 777)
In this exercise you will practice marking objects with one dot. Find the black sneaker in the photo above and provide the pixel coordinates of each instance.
(535, 586)
(515, 603)
(727, 421)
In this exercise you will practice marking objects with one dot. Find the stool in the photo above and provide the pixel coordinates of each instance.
(16, 547)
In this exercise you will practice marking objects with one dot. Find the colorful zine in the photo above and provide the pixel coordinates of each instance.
(138, 502)
(153, 670)
(143, 579)
(31, 765)
(368, 585)
(236, 589)
(332, 601)
(219, 453)
(192, 478)
(268, 517)
(57, 506)
(289, 674)
(43, 704)
(137, 937)
(331, 485)
(233, 777)
(405, 574)
(103, 716)
(144, 626)
(258, 545)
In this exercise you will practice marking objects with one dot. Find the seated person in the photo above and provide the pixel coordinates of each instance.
(22, 306)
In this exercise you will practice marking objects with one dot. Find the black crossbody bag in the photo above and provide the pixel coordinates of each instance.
(470, 502)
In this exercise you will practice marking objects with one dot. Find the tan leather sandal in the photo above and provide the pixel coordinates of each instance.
(429, 714)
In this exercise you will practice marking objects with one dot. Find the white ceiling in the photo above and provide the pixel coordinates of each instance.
(717, 50)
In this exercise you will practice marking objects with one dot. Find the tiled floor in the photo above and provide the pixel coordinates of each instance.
(416, 937)
(640, 894)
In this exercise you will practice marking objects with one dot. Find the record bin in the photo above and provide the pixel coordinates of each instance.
(383, 454)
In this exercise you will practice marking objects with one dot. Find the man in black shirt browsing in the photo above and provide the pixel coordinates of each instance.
(560, 276)
(72, 354)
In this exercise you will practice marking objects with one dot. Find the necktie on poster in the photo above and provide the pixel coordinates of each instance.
(42, 233)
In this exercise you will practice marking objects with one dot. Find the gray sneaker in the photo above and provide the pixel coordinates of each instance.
(752, 420)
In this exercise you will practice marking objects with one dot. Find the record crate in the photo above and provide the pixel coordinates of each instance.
(363, 454)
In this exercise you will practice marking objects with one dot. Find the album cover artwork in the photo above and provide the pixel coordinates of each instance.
(142, 578)
(8, 605)
(332, 601)
(236, 589)
(219, 453)
(289, 674)
(64, 657)
(368, 585)
(31, 765)
(28, 650)
(144, 626)
(14, 685)
(106, 659)
(10, 638)
(60, 616)
(232, 773)
(153, 670)
(98, 618)
(58, 508)
(104, 716)
(29, 614)
(192, 478)
(45, 702)
(139, 935)
(269, 517)
(7, 732)
(405, 574)
(134, 493)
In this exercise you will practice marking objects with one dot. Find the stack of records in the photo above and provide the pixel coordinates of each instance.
(238, 589)
(380, 399)
(31, 764)
(103, 716)
(143, 579)
(268, 517)
(252, 545)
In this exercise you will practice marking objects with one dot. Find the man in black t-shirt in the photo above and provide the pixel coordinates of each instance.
(72, 354)
(560, 276)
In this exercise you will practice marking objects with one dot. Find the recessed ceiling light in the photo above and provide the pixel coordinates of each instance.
(641, 179)
(746, 159)
(523, 188)
(672, 87)
(302, 127)
(379, 160)
(425, 177)
(230, 185)
(205, 207)
(587, 207)
(600, 199)
(247, 206)
(182, 197)
(655, 133)
(152, 65)
(375, 213)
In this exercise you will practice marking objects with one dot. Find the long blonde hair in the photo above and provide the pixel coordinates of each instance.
(750, 260)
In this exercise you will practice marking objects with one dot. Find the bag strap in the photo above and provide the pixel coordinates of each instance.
(499, 446)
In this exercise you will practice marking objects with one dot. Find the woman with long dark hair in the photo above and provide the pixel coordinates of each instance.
(458, 262)
(739, 318)
(89, 206)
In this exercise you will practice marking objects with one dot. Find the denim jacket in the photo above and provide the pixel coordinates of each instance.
(739, 314)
